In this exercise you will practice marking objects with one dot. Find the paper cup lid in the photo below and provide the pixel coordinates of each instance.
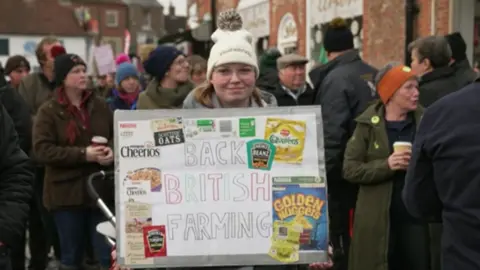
(99, 139)
(402, 143)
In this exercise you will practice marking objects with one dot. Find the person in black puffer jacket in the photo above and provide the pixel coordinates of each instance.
(16, 178)
(19, 112)
(343, 88)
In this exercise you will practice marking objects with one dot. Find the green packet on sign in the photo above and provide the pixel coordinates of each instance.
(260, 154)
(285, 241)
(287, 231)
(284, 251)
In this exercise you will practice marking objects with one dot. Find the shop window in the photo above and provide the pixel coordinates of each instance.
(111, 18)
(147, 21)
(4, 47)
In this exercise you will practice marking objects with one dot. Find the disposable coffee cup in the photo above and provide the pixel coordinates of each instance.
(402, 146)
(99, 141)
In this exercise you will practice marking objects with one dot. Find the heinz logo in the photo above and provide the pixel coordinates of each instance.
(128, 125)
(285, 132)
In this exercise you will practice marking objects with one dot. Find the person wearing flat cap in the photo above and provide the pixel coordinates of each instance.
(292, 89)
(343, 87)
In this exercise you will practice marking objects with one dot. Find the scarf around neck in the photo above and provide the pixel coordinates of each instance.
(129, 98)
(78, 115)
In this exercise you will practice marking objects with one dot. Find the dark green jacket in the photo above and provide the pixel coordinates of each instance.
(366, 164)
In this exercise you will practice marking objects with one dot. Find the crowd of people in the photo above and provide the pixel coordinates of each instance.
(413, 207)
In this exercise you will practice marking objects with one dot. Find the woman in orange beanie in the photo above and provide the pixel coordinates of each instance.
(385, 235)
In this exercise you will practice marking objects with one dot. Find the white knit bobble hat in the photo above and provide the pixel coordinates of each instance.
(233, 44)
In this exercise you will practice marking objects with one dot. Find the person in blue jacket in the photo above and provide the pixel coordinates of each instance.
(125, 95)
(443, 177)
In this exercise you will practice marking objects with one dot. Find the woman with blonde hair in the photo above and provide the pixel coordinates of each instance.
(232, 70)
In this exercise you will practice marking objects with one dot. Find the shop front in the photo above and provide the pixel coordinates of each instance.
(465, 18)
(287, 40)
(256, 19)
(321, 13)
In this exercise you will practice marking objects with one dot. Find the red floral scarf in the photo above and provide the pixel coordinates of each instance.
(78, 115)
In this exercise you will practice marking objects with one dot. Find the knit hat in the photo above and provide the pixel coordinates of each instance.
(392, 80)
(122, 58)
(124, 71)
(233, 44)
(268, 60)
(159, 61)
(64, 62)
(338, 37)
(458, 46)
(16, 61)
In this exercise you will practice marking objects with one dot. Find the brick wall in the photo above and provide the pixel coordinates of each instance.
(203, 6)
(384, 27)
(298, 9)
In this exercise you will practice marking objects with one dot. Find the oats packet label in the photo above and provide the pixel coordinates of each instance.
(168, 131)
(288, 136)
(260, 154)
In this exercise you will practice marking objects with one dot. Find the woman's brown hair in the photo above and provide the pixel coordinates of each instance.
(203, 95)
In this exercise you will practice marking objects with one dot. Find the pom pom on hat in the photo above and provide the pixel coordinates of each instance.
(230, 25)
(122, 58)
(57, 51)
(230, 20)
(338, 23)
(233, 44)
(338, 37)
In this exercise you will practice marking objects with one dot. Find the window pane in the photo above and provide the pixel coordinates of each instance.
(4, 48)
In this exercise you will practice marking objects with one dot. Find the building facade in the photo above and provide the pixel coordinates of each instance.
(111, 17)
(146, 22)
(256, 19)
(378, 26)
(24, 24)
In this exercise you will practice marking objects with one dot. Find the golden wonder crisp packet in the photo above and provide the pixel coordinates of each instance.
(288, 137)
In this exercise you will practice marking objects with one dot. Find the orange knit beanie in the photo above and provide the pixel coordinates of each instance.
(392, 81)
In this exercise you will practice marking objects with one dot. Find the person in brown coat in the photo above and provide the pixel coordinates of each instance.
(62, 135)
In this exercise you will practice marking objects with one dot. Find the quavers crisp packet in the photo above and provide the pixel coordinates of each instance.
(288, 136)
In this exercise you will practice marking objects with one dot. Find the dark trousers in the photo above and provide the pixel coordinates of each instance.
(340, 233)
(71, 226)
(409, 247)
